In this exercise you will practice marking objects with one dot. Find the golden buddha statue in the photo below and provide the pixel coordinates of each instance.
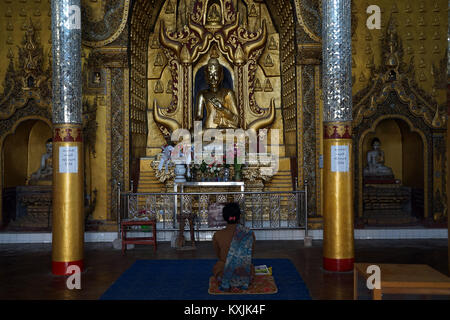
(220, 103)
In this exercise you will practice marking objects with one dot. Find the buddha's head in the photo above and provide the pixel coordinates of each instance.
(214, 73)
(376, 143)
(49, 146)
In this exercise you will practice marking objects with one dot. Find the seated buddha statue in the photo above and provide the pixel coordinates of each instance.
(213, 17)
(44, 175)
(376, 170)
(220, 103)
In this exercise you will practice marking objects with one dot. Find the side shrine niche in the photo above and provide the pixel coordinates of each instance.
(400, 174)
(189, 41)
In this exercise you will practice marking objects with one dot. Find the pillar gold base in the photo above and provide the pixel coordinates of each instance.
(338, 265)
(68, 195)
(338, 238)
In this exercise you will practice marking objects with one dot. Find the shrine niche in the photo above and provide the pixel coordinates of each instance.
(187, 40)
(26, 137)
(396, 185)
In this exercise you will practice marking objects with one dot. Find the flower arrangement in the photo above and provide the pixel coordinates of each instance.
(236, 154)
(214, 168)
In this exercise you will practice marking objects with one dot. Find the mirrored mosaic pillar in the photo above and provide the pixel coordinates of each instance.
(68, 211)
(338, 248)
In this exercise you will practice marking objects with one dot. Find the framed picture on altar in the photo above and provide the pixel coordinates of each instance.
(95, 81)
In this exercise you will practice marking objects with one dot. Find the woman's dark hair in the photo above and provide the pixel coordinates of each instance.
(231, 213)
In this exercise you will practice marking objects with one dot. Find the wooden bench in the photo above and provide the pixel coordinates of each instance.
(125, 227)
(403, 279)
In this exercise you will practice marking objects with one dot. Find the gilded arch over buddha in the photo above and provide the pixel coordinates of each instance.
(212, 31)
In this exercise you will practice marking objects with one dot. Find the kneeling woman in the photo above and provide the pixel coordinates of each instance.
(234, 248)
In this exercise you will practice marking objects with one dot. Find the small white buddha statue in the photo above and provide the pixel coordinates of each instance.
(375, 163)
(44, 174)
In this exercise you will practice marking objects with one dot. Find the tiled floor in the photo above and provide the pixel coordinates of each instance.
(25, 269)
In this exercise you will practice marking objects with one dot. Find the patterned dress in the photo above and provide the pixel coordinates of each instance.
(237, 272)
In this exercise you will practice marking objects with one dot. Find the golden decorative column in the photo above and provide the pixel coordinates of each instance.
(338, 247)
(68, 214)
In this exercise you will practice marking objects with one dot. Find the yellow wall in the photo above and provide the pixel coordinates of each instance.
(418, 40)
(39, 134)
(15, 155)
(15, 17)
(413, 160)
(98, 166)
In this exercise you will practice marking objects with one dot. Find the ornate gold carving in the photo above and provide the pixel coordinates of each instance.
(253, 12)
(422, 76)
(30, 81)
(421, 22)
(409, 50)
(395, 76)
(436, 21)
(197, 38)
(258, 85)
(337, 130)
(394, 8)
(116, 34)
(421, 63)
(302, 23)
(408, 22)
(370, 63)
(90, 125)
(162, 175)
(9, 26)
(422, 49)
(169, 88)
(155, 43)
(268, 62)
(272, 44)
(22, 12)
(159, 61)
(214, 27)
(409, 36)
(170, 123)
(436, 49)
(266, 120)
(158, 87)
(170, 9)
(408, 8)
(422, 6)
(362, 78)
(268, 86)
(310, 53)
